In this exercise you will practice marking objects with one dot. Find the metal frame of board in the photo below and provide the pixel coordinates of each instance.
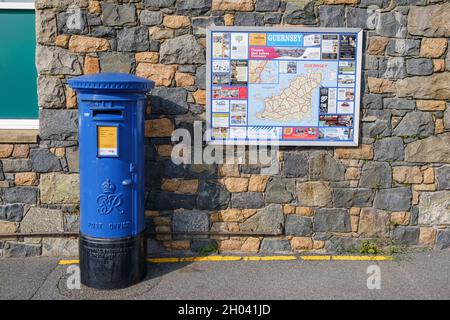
(11, 124)
(357, 101)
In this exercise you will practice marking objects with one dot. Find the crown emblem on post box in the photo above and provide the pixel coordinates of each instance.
(108, 187)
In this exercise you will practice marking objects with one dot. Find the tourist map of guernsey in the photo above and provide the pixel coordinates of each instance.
(293, 86)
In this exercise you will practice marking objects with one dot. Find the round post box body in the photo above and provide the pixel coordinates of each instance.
(111, 109)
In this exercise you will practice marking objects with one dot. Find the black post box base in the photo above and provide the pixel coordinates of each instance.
(112, 263)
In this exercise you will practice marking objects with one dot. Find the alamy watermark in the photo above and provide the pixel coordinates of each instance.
(374, 279)
(190, 149)
(74, 279)
(75, 18)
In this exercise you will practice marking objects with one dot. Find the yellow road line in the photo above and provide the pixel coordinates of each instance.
(362, 258)
(256, 258)
(211, 258)
(268, 258)
(315, 258)
(66, 262)
(278, 258)
(223, 258)
(251, 258)
(195, 259)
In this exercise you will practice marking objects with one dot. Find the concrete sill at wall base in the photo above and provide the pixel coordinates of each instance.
(19, 136)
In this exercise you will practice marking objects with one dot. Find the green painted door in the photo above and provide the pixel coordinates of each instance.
(18, 87)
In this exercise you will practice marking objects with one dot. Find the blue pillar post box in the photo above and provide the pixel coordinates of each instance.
(111, 145)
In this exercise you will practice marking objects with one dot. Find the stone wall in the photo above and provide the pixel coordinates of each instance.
(394, 188)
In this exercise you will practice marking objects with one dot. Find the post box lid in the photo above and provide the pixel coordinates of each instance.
(123, 82)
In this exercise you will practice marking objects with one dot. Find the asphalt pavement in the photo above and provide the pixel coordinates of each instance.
(423, 275)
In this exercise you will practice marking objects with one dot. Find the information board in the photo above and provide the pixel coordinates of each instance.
(293, 86)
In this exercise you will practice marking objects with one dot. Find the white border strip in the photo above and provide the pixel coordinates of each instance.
(17, 5)
(356, 139)
(19, 124)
